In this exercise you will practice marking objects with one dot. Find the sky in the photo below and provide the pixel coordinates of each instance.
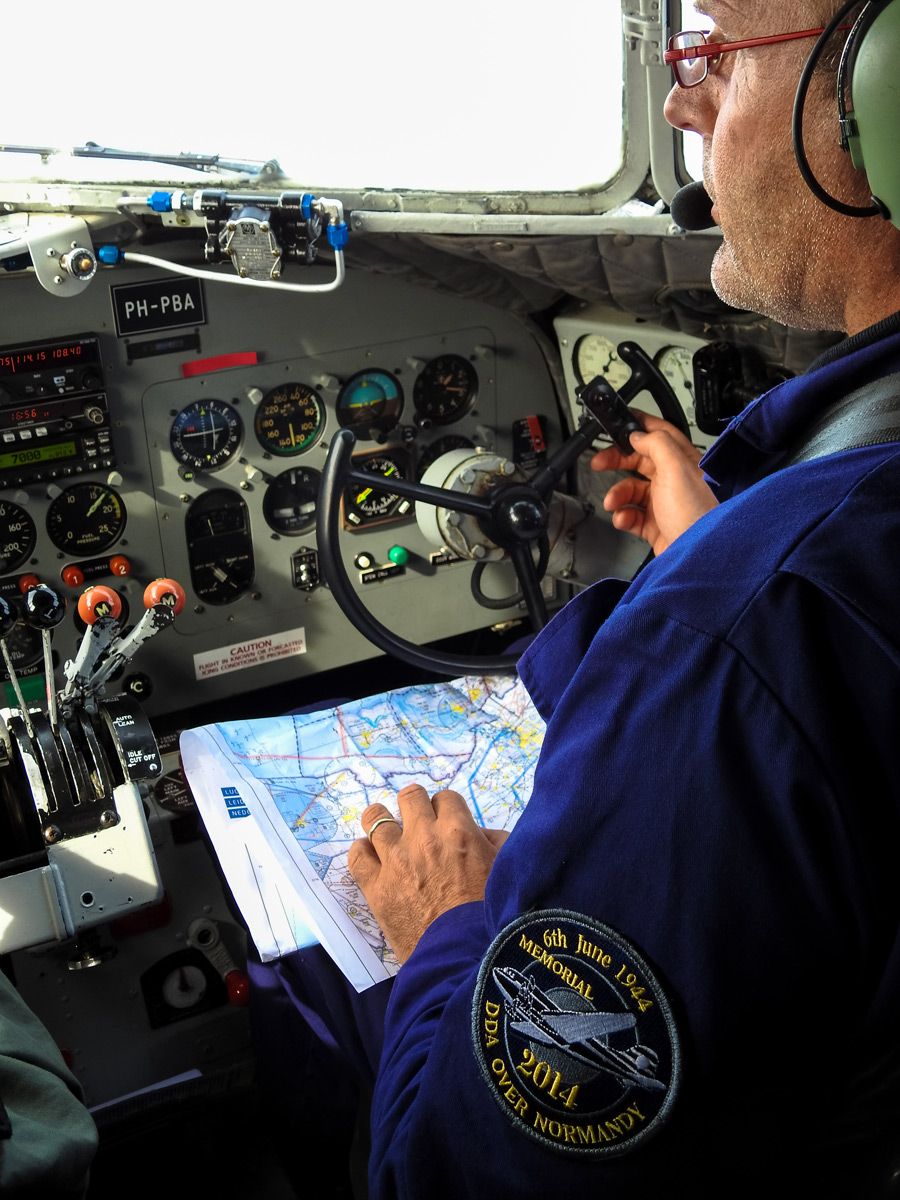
(487, 94)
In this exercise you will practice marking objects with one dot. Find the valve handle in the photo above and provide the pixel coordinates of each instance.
(44, 608)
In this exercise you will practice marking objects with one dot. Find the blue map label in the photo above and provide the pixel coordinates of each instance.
(233, 802)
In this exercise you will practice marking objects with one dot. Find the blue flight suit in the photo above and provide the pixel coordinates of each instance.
(718, 795)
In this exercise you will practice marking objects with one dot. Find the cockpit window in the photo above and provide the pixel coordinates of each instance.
(475, 97)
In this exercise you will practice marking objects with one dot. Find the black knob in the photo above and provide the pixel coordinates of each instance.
(8, 617)
(44, 608)
(139, 686)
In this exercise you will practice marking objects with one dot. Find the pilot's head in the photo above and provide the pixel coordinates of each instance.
(784, 252)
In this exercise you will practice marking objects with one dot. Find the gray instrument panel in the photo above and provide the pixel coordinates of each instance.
(253, 595)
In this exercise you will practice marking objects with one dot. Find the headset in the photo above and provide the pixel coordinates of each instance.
(868, 107)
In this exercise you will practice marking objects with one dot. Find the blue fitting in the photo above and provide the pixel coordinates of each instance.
(110, 255)
(306, 205)
(338, 235)
(160, 202)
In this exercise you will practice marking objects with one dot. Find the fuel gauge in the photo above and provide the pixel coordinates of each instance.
(86, 518)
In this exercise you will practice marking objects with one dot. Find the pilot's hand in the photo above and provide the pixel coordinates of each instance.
(672, 494)
(412, 872)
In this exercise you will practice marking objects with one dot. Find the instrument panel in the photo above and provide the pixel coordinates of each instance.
(196, 453)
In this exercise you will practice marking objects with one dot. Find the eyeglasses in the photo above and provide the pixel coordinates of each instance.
(690, 52)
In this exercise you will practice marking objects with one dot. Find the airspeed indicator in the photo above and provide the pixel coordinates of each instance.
(289, 419)
(18, 536)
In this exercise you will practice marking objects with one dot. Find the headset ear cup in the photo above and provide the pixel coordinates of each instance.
(872, 123)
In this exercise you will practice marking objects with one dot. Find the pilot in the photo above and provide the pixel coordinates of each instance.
(680, 974)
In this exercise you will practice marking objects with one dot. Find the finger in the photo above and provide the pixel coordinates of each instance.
(611, 459)
(363, 863)
(626, 491)
(654, 424)
(415, 805)
(665, 445)
(387, 831)
(451, 804)
(632, 520)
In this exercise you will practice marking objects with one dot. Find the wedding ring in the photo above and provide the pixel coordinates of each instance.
(380, 821)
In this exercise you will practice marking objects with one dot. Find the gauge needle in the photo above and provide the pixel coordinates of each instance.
(390, 471)
(97, 503)
(293, 439)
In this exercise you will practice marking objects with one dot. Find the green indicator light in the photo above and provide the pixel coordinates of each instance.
(398, 555)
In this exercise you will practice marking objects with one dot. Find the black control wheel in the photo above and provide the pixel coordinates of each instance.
(513, 515)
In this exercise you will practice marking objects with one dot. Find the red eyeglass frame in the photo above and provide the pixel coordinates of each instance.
(713, 49)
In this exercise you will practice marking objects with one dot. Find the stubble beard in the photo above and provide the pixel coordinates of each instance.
(775, 269)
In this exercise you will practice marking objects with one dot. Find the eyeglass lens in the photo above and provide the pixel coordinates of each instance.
(689, 71)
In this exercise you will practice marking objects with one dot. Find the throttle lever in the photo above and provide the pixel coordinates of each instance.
(610, 411)
(123, 650)
(610, 407)
(646, 376)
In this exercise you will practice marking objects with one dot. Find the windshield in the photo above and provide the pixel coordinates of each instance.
(479, 96)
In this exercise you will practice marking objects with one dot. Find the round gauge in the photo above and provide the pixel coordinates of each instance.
(370, 400)
(206, 435)
(596, 355)
(289, 505)
(184, 987)
(25, 647)
(18, 536)
(446, 389)
(677, 364)
(86, 518)
(367, 504)
(433, 451)
(289, 419)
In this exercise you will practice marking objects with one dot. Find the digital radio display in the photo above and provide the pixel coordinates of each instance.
(50, 412)
(37, 454)
(19, 360)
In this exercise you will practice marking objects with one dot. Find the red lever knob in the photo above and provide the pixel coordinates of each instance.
(99, 601)
(120, 565)
(165, 591)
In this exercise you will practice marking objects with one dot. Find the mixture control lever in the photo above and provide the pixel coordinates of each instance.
(44, 609)
(164, 598)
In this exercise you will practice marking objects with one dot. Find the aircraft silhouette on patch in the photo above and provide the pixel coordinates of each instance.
(581, 1035)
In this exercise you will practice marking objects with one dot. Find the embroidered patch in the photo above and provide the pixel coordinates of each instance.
(574, 1035)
